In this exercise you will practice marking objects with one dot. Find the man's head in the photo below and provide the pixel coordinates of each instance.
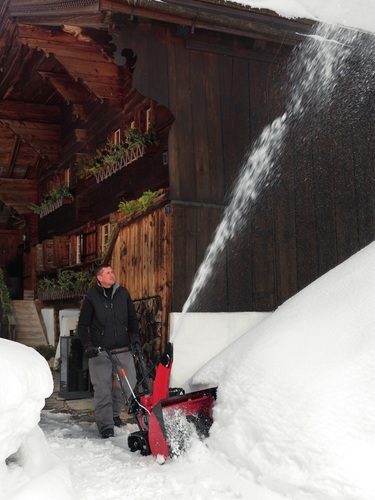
(105, 275)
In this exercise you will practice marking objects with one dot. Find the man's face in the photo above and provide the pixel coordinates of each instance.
(107, 277)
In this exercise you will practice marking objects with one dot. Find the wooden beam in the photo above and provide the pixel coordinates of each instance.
(6, 140)
(262, 24)
(54, 8)
(72, 91)
(25, 111)
(45, 138)
(18, 194)
(82, 58)
(13, 156)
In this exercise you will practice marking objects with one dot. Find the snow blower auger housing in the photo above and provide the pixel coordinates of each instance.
(150, 410)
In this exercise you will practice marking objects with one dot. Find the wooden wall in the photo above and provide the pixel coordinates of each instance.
(16, 260)
(317, 211)
(9, 241)
(141, 260)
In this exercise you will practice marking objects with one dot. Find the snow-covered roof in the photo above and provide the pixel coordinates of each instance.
(342, 12)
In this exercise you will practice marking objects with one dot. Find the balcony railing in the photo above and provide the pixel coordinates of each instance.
(126, 159)
(54, 206)
(61, 294)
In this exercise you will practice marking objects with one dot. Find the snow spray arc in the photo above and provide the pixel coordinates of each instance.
(313, 72)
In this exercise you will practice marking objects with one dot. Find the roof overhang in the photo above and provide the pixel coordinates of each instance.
(214, 15)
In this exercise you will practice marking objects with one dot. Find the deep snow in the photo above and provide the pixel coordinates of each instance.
(295, 411)
(294, 417)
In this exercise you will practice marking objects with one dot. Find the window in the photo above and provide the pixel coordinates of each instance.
(67, 177)
(117, 137)
(106, 232)
(148, 118)
(79, 248)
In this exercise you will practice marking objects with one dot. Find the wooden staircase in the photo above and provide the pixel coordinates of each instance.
(29, 328)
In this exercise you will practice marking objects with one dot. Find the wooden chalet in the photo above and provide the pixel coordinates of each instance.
(207, 77)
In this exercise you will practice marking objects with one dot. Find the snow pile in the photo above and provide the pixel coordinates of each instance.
(296, 394)
(26, 463)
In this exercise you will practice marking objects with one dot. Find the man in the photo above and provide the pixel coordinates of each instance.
(108, 328)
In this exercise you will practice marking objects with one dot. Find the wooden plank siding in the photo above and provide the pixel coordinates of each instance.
(303, 224)
(344, 189)
(239, 86)
(260, 246)
(324, 202)
(183, 175)
(200, 128)
(199, 224)
(305, 216)
(263, 293)
(141, 260)
(9, 241)
(235, 108)
(364, 177)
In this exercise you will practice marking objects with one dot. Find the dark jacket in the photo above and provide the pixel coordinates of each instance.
(108, 322)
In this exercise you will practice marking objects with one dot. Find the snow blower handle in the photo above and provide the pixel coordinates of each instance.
(145, 380)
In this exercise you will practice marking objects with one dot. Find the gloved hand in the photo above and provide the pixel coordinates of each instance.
(91, 351)
(136, 346)
(135, 341)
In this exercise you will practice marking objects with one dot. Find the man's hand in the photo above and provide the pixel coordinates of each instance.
(91, 351)
(135, 341)
(136, 346)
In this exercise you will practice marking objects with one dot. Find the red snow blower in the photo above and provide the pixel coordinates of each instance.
(159, 415)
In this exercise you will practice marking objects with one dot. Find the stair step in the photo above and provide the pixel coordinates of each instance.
(28, 328)
(28, 295)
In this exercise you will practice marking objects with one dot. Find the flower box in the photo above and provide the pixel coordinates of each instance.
(54, 206)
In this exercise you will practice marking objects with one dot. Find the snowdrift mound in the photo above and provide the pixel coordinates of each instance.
(28, 469)
(297, 393)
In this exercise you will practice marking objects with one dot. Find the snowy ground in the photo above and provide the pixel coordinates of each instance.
(108, 470)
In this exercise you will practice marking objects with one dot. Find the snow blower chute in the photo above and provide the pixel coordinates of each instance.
(155, 412)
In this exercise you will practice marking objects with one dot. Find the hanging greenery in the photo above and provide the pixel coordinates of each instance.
(6, 306)
(114, 153)
(66, 280)
(56, 194)
(142, 203)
